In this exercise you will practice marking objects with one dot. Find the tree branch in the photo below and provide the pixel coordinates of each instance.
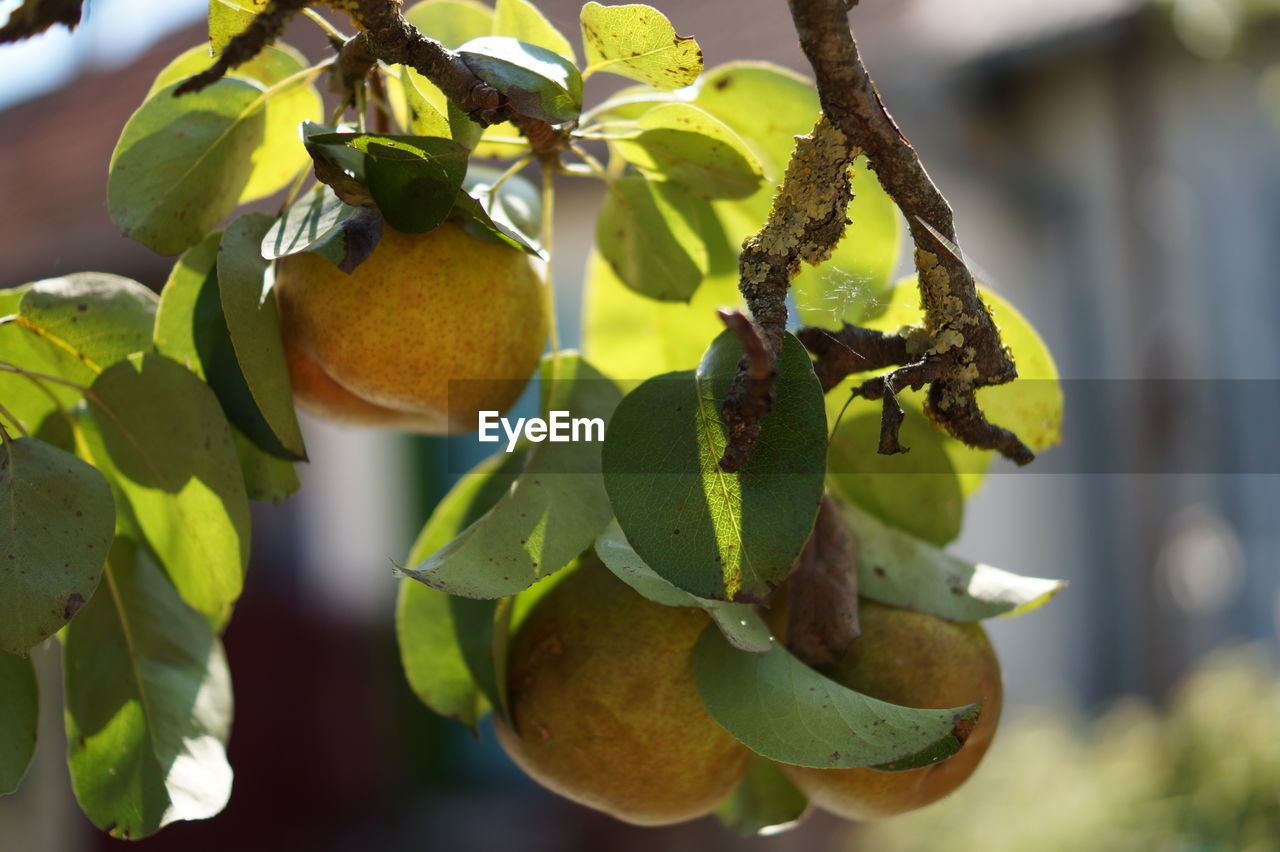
(963, 345)
(385, 35)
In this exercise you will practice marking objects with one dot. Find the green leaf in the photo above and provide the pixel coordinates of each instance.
(539, 82)
(229, 18)
(413, 179)
(99, 317)
(470, 214)
(521, 20)
(436, 662)
(426, 116)
(783, 710)
(652, 234)
(638, 42)
(917, 492)
(687, 146)
(33, 401)
(897, 568)
(182, 163)
(553, 511)
(634, 337)
(266, 478)
(768, 106)
(279, 157)
(192, 330)
(59, 518)
(321, 222)
(764, 803)
(451, 22)
(148, 703)
(715, 534)
(161, 436)
(517, 203)
(19, 715)
(254, 326)
(740, 623)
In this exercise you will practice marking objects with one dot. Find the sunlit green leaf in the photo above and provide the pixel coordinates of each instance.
(653, 235)
(33, 400)
(897, 568)
(426, 116)
(451, 22)
(521, 20)
(634, 337)
(740, 623)
(58, 520)
(918, 491)
(785, 711)
(148, 703)
(266, 478)
(553, 512)
(638, 42)
(279, 157)
(229, 18)
(19, 712)
(161, 436)
(254, 327)
(97, 316)
(716, 534)
(182, 164)
(686, 145)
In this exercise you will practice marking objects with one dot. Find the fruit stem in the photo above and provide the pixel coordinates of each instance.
(548, 286)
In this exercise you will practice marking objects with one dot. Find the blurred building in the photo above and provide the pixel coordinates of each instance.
(1121, 190)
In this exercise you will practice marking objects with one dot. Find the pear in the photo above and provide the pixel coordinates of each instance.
(430, 330)
(916, 660)
(603, 699)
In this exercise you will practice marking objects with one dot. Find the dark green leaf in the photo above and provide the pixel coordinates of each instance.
(553, 512)
(651, 233)
(148, 703)
(897, 568)
(687, 146)
(638, 42)
(718, 535)
(98, 316)
(517, 204)
(321, 222)
(182, 163)
(764, 803)
(254, 326)
(539, 82)
(19, 711)
(266, 478)
(918, 491)
(191, 329)
(413, 179)
(470, 214)
(161, 436)
(448, 675)
(785, 711)
(740, 623)
(58, 520)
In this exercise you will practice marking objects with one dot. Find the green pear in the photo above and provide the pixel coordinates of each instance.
(916, 660)
(604, 702)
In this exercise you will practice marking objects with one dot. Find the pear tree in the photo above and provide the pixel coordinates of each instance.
(735, 598)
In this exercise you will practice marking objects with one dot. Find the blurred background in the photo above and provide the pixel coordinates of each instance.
(1115, 170)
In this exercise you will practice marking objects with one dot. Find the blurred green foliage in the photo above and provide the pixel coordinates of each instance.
(1204, 774)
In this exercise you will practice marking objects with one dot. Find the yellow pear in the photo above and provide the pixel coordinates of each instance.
(430, 330)
(604, 700)
(916, 660)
